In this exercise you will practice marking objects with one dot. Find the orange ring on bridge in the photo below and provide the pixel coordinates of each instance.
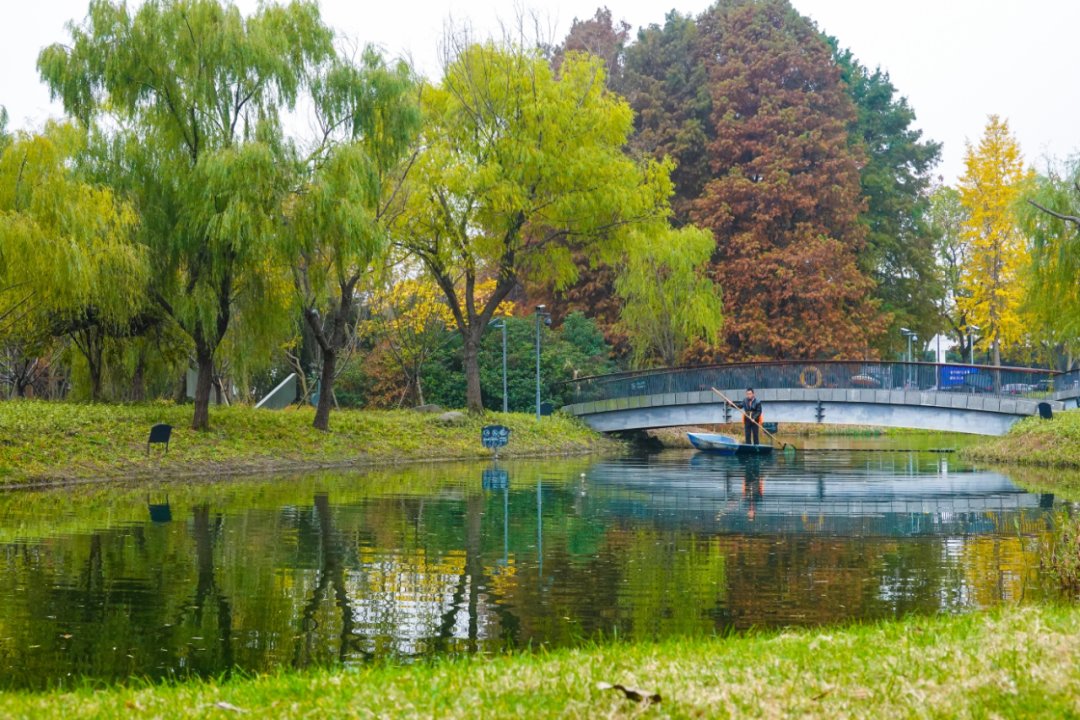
(815, 383)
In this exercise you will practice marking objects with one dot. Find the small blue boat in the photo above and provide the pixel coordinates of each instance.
(724, 445)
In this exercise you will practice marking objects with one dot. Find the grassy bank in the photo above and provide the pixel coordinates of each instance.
(1036, 442)
(45, 442)
(1009, 663)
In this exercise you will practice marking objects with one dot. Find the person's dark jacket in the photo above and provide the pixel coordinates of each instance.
(751, 408)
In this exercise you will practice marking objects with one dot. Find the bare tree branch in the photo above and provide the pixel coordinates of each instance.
(1067, 218)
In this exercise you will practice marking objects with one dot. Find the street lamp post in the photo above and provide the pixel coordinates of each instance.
(971, 348)
(937, 370)
(501, 323)
(542, 318)
(910, 335)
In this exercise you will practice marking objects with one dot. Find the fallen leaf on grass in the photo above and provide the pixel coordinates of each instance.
(222, 705)
(635, 694)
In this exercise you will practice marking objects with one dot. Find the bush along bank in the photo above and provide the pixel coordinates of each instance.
(1034, 441)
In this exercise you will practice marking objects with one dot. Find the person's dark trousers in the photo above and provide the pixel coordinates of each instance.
(751, 429)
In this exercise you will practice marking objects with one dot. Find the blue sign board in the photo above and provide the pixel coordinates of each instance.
(495, 436)
(956, 375)
(495, 479)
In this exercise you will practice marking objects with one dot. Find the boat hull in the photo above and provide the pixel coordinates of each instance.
(724, 445)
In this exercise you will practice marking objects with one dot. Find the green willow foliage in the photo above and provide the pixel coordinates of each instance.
(521, 169)
(669, 299)
(337, 232)
(189, 93)
(1050, 216)
(69, 264)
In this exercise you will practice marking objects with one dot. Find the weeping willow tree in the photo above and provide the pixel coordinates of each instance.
(337, 229)
(669, 301)
(189, 96)
(1050, 217)
(68, 260)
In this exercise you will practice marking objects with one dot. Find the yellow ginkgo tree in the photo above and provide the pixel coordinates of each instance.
(997, 252)
(410, 317)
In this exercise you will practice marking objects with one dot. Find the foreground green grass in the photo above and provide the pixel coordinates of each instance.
(42, 441)
(1009, 663)
(1033, 441)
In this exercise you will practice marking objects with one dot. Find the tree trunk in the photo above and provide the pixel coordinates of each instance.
(180, 390)
(92, 348)
(95, 381)
(997, 353)
(204, 356)
(138, 379)
(326, 390)
(474, 400)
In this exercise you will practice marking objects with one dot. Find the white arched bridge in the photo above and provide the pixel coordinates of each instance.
(978, 399)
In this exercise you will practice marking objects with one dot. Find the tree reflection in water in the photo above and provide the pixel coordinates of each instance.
(432, 561)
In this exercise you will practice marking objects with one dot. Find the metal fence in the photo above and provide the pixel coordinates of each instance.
(975, 379)
(1067, 388)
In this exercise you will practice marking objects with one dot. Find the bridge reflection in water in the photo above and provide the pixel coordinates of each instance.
(782, 495)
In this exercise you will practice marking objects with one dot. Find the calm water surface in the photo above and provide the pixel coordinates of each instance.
(183, 579)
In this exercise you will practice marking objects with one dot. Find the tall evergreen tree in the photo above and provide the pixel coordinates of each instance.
(666, 84)
(895, 180)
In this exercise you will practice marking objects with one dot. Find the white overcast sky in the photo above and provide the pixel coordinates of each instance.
(956, 60)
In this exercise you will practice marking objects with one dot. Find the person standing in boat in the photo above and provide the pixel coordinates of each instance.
(751, 408)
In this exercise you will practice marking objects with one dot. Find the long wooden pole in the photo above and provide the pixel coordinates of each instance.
(756, 422)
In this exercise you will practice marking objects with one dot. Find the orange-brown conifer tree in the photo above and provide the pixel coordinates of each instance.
(784, 200)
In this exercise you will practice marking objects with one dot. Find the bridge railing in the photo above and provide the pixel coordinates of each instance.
(864, 375)
(1067, 388)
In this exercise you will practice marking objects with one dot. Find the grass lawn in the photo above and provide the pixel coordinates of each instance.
(1013, 662)
(45, 441)
(1034, 441)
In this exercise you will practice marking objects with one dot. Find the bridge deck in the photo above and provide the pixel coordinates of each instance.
(969, 399)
